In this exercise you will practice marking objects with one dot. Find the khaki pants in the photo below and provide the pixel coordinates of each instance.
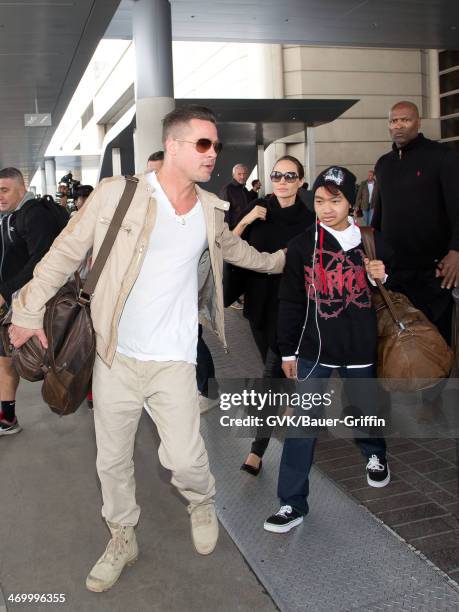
(170, 390)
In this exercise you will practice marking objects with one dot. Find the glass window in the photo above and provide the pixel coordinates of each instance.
(449, 81)
(448, 59)
(449, 128)
(449, 104)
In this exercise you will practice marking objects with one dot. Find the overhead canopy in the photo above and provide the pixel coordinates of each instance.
(418, 24)
(45, 48)
(261, 122)
(242, 125)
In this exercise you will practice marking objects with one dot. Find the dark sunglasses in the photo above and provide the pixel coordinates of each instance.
(203, 145)
(290, 177)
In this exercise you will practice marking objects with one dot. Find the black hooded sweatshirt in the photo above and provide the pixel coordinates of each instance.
(345, 315)
(25, 237)
(417, 202)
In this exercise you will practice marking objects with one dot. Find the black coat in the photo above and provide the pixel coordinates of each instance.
(240, 202)
(417, 202)
(261, 293)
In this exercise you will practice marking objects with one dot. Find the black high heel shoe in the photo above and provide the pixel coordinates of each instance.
(245, 467)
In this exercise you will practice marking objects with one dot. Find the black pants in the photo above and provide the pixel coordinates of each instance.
(205, 368)
(298, 452)
(272, 369)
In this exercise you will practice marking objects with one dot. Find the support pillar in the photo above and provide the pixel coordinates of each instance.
(43, 181)
(261, 168)
(310, 154)
(50, 176)
(433, 95)
(154, 83)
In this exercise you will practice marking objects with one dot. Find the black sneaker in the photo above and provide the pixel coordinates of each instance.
(284, 520)
(378, 474)
(8, 428)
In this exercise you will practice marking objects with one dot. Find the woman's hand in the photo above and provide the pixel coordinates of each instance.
(375, 268)
(258, 212)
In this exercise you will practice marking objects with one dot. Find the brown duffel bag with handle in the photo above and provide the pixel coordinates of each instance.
(412, 354)
(66, 365)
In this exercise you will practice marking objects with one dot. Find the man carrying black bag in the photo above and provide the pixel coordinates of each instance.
(28, 227)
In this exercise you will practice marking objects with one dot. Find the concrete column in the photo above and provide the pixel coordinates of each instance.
(154, 83)
(433, 87)
(261, 168)
(116, 161)
(50, 174)
(43, 181)
(272, 154)
(266, 70)
(310, 155)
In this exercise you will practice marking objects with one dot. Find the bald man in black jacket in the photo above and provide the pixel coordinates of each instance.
(417, 212)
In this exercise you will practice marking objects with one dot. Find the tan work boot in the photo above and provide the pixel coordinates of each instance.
(121, 550)
(204, 527)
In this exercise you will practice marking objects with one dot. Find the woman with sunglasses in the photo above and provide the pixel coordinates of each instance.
(269, 226)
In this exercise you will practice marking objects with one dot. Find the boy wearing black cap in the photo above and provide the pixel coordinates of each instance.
(326, 323)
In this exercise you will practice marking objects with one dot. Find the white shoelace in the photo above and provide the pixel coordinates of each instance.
(374, 464)
(202, 516)
(284, 510)
(115, 548)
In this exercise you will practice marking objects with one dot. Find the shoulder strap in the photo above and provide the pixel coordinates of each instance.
(110, 236)
(368, 241)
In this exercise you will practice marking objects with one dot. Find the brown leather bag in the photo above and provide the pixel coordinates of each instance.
(412, 354)
(66, 365)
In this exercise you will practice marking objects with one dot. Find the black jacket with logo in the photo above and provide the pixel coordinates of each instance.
(417, 202)
(345, 315)
(25, 237)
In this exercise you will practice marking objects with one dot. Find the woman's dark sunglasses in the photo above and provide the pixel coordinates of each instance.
(290, 177)
(203, 145)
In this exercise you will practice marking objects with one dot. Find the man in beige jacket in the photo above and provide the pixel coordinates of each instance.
(164, 272)
(366, 198)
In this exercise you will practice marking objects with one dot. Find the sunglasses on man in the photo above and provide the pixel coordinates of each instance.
(202, 145)
(290, 177)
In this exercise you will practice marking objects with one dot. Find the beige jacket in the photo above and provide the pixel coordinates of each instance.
(362, 200)
(88, 228)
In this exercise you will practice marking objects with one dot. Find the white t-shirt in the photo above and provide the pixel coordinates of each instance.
(160, 318)
(370, 190)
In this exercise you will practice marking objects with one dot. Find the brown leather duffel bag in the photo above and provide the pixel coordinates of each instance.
(412, 354)
(66, 365)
